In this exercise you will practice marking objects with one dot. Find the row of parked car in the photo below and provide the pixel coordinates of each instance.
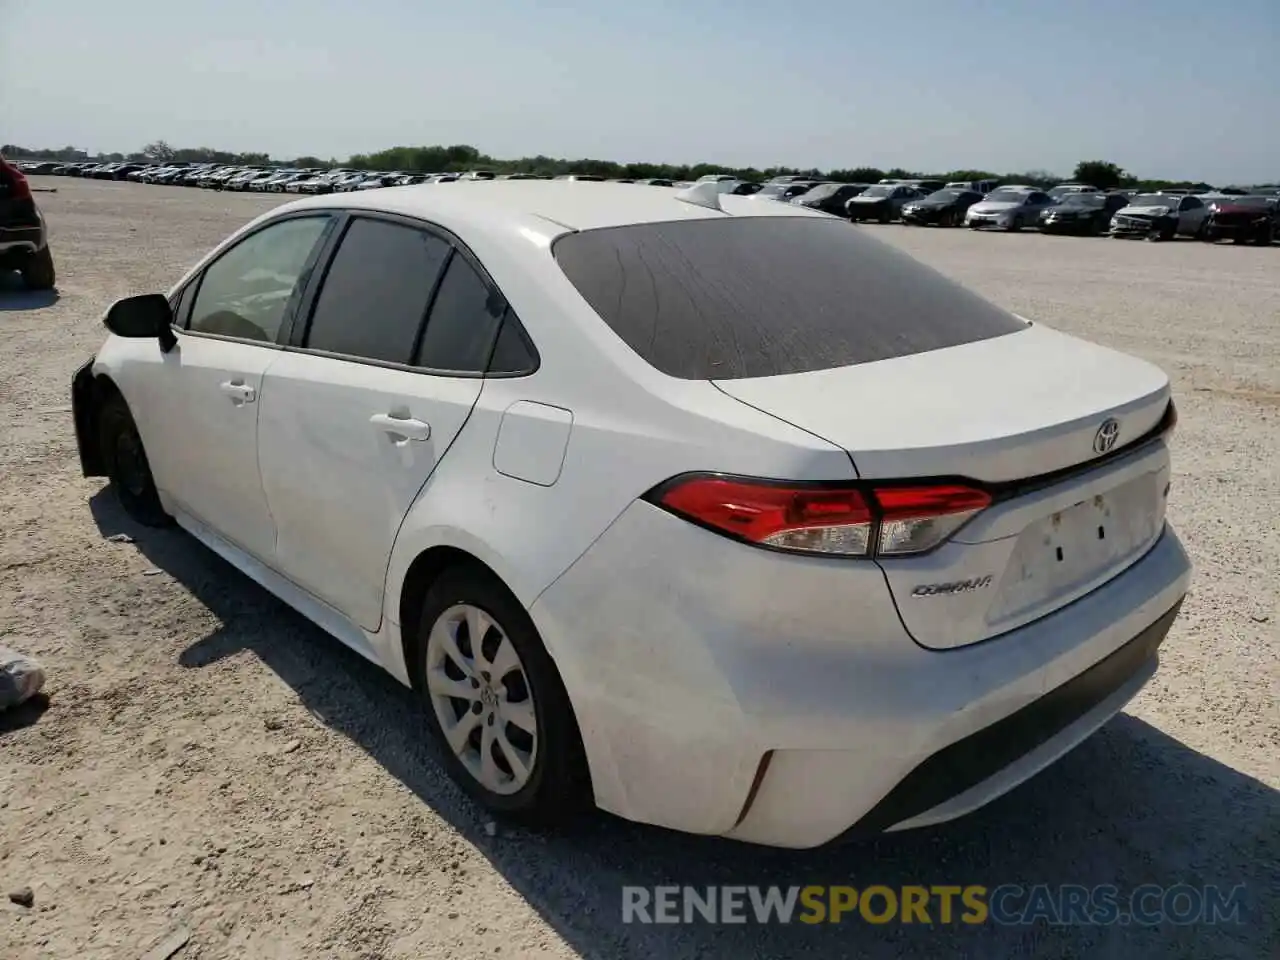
(1068, 208)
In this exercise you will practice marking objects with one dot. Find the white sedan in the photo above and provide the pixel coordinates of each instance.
(720, 515)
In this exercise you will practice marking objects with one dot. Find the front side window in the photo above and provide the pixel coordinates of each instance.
(376, 291)
(249, 291)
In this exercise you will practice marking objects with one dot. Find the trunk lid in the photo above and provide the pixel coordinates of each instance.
(1012, 408)
(1006, 408)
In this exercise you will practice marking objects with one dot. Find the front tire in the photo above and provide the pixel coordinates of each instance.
(495, 701)
(126, 464)
(38, 272)
(1015, 224)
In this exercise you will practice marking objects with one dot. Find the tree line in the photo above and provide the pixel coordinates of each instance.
(462, 157)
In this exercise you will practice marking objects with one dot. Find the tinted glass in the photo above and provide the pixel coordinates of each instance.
(823, 190)
(249, 290)
(463, 323)
(760, 296)
(376, 291)
(511, 354)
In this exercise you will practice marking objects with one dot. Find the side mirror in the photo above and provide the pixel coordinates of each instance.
(140, 317)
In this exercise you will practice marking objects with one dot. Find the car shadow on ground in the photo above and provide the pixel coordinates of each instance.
(24, 714)
(1130, 806)
(14, 294)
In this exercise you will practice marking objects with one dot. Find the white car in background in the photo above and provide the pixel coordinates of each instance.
(715, 513)
(1161, 216)
(1008, 208)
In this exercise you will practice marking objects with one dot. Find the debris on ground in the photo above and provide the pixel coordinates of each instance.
(21, 678)
(23, 896)
(172, 942)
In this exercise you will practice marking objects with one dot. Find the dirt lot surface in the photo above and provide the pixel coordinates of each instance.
(210, 763)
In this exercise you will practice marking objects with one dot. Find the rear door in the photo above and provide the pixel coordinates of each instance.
(358, 413)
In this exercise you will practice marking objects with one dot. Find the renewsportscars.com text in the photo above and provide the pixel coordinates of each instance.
(973, 904)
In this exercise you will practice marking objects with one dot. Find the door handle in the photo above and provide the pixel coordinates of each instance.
(405, 427)
(238, 390)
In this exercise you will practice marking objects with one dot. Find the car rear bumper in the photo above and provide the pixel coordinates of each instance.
(19, 241)
(777, 699)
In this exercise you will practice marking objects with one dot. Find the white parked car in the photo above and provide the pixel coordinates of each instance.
(1009, 208)
(662, 500)
(1161, 216)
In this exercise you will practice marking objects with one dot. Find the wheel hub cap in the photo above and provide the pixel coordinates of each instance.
(482, 698)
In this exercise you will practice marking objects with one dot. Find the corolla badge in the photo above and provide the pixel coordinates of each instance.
(1106, 436)
(948, 589)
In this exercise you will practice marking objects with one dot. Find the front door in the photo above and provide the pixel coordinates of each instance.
(209, 388)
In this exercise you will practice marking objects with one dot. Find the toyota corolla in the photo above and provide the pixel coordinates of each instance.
(714, 513)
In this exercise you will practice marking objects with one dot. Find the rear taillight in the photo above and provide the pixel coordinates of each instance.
(823, 518)
(811, 519)
(19, 188)
(916, 519)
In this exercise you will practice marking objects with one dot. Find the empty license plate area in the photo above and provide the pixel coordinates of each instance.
(1064, 555)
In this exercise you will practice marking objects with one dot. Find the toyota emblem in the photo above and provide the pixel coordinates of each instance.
(1105, 439)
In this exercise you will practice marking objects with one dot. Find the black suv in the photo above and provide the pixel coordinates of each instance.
(24, 243)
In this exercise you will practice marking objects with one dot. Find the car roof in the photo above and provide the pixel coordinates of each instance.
(506, 206)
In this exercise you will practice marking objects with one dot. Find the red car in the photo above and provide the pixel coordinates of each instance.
(24, 242)
(1242, 219)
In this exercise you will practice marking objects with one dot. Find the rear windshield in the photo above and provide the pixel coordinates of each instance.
(761, 296)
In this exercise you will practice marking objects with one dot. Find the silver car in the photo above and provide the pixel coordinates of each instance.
(1009, 208)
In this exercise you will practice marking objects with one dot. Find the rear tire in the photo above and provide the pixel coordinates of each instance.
(126, 464)
(38, 272)
(488, 691)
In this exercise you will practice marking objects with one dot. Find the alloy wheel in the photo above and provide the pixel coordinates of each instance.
(482, 698)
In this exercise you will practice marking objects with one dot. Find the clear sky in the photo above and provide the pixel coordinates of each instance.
(1165, 88)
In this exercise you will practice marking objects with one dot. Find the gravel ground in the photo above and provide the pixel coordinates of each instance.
(210, 763)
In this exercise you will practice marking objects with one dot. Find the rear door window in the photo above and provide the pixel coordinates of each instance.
(464, 322)
(376, 291)
(763, 296)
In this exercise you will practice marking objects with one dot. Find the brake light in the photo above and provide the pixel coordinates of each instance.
(19, 187)
(823, 518)
(916, 519)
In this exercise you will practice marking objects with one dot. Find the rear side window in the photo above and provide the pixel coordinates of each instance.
(376, 291)
(764, 296)
(464, 322)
